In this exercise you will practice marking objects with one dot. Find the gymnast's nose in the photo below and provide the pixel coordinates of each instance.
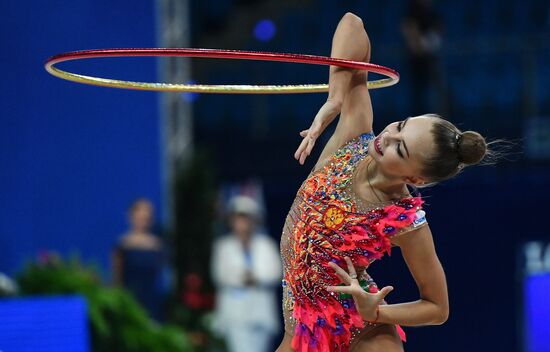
(391, 136)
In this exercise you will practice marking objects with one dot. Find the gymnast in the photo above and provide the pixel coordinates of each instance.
(354, 206)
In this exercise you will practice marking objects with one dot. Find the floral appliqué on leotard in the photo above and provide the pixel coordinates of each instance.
(323, 225)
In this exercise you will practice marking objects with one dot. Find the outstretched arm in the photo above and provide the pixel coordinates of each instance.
(348, 93)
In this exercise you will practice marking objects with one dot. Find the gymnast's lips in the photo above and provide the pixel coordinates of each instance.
(377, 145)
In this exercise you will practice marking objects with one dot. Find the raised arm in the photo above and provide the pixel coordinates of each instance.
(348, 93)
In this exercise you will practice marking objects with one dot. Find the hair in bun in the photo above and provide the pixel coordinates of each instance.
(454, 150)
(471, 147)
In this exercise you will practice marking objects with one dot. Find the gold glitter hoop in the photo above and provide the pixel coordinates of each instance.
(392, 77)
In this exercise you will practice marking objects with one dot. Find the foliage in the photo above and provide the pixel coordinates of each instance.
(117, 321)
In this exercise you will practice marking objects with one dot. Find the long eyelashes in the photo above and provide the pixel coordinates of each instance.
(399, 127)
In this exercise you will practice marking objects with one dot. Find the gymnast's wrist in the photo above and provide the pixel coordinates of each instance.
(334, 102)
(375, 320)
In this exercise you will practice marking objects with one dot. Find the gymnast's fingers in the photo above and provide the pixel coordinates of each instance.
(303, 134)
(351, 268)
(298, 151)
(384, 292)
(303, 157)
(341, 273)
(310, 145)
(301, 148)
(343, 289)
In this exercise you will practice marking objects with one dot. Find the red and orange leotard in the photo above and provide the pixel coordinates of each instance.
(326, 223)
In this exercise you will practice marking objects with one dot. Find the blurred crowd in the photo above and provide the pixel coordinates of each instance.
(245, 269)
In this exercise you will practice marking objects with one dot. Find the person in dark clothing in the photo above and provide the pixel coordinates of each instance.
(139, 260)
(422, 30)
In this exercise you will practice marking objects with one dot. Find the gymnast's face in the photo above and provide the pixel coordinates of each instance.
(400, 149)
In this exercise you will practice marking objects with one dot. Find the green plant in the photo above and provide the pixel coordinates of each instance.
(117, 321)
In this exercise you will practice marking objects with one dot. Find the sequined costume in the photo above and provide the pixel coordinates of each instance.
(327, 222)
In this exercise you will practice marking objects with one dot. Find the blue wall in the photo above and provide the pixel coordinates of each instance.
(73, 157)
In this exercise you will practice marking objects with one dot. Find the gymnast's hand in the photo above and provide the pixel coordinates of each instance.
(366, 303)
(324, 117)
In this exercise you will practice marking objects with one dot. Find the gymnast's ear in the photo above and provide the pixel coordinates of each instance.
(415, 180)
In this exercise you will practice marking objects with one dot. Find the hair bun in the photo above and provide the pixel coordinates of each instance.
(471, 147)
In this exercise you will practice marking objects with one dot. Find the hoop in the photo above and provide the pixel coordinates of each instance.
(392, 75)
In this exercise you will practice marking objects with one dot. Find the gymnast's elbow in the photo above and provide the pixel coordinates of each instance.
(352, 20)
(441, 317)
(354, 26)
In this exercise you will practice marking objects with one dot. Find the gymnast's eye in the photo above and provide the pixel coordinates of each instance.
(399, 150)
(399, 127)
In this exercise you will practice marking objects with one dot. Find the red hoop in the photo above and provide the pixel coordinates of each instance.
(392, 75)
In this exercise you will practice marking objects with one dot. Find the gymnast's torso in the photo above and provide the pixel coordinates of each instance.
(326, 222)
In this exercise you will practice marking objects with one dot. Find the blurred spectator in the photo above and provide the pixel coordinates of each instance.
(8, 286)
(422, 30)
(246, 270)
(139, 260)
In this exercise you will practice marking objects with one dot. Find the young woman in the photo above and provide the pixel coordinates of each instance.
(354, 206)
(139, 258)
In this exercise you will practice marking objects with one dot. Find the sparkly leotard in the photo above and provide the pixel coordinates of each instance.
(326, 223)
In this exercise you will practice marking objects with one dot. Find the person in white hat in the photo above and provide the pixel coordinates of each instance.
(246, 270)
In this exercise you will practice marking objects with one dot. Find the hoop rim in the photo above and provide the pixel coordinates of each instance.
(392, 76)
